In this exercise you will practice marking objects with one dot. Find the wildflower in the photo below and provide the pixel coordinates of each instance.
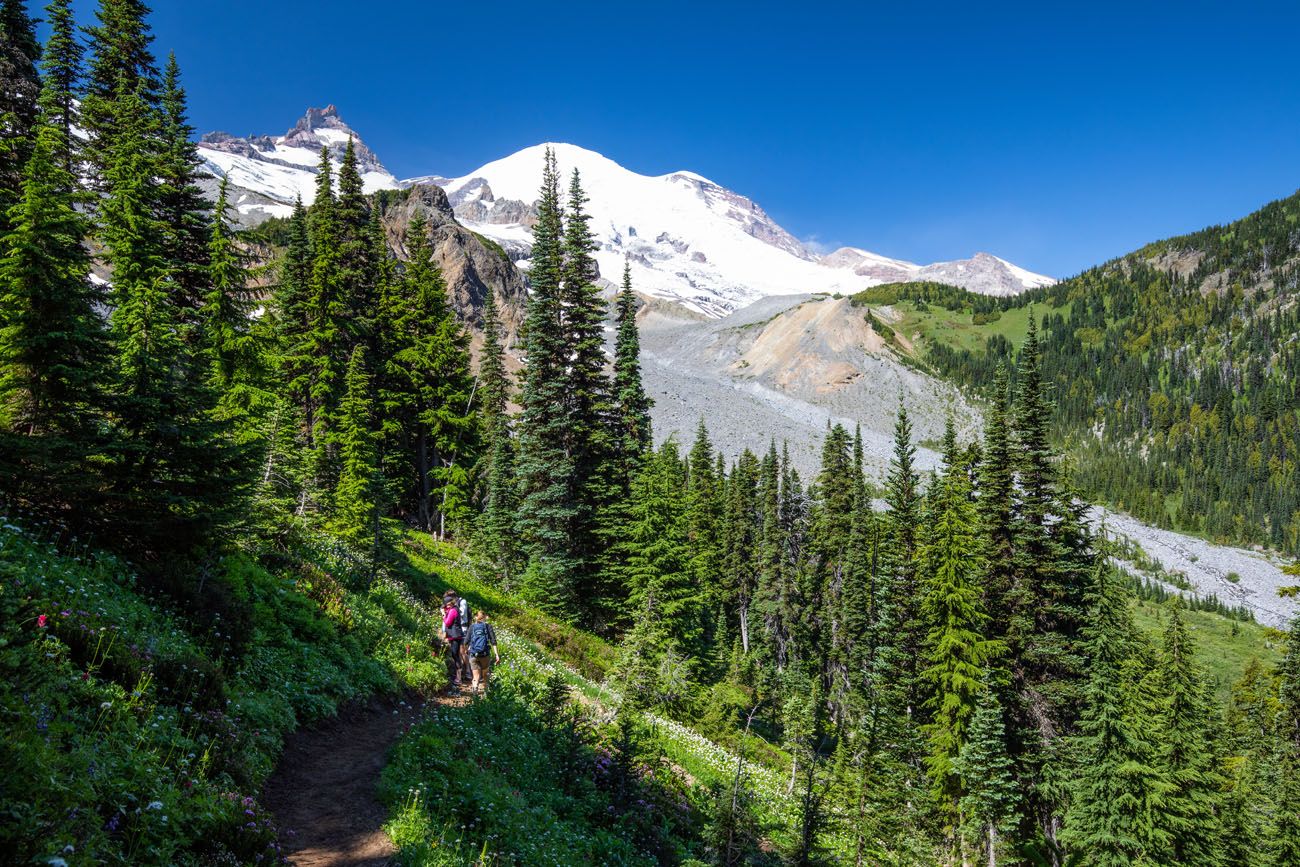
(154, 805)
(40, 621)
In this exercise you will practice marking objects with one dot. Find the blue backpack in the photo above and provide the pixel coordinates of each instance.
(480, 639)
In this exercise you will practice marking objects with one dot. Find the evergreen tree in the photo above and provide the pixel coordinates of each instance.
(53, 351)
(354, 257)
(1287, 831)
(228, 304)
(357, 501)
(429, 425)
(179, 477)
(1112, 819)
(587, 394)
(1045, 603)
(703, 517)
(496, 536)
(121, 64)
(632, 419)
(294, 315)
(830, 537)
(990, 804)
(328, 346)
(1190, 809)
(548, 511)
(655, 557)
(20, 87)
(901, 623)
(61, 68)
(182, 208)
(740, 544)
(996, 505)
(956, 651)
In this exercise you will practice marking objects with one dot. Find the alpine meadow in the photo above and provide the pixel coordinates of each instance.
(559, 514)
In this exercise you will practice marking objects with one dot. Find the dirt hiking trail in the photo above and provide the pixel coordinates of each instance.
(322, 792)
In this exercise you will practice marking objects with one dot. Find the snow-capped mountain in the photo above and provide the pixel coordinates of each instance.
(983, 272)
(267, 173)
(689, 239)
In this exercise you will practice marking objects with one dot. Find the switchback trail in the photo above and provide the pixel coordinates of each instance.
(322, 793)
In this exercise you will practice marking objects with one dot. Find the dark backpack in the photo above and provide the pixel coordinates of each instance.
(480, 639)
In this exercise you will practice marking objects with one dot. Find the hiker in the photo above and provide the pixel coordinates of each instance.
(482, 647)
(454, 637)
(461, 608)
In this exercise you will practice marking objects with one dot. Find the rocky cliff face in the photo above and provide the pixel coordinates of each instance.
(472, 266)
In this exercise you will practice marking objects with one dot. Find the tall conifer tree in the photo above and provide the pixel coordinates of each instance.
(548, 513)
(53, 350)
(1112, 818)
(61, 69)
(632, 418)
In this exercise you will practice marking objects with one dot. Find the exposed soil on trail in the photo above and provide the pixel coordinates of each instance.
(323, 791)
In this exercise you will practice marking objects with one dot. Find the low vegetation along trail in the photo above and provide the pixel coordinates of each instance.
(323, 791)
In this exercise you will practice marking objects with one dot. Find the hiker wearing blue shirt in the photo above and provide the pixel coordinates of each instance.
(482, 647)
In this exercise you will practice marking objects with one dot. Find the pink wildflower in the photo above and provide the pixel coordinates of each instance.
(40, 621)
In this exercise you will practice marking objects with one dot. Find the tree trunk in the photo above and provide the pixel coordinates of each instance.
(422, 510)
(744, 625)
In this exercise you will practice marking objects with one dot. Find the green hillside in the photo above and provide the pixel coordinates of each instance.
(1175, 372)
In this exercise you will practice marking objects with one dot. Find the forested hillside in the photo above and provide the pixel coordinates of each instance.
(1174, 370)
(229, 509)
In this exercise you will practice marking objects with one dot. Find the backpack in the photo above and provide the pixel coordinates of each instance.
(463, 608)
(480, 639)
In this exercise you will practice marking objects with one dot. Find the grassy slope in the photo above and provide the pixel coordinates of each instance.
(956, 328)
(149, 731)
(1223, 646)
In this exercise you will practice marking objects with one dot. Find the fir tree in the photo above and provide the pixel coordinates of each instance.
(496, 536)
(428, 390)
(548, 511)
(740, 544)
(956, 650)
(61, 68)
(587, 395)
(182, 208)
(901, 614)
(356, 502)
(1287, 822)
(989, 805)
(121, 64)
(1190, 809)
(354, 257)
(53, 351)
(294, 315)
(20, 87)
(179, 476)
(703, 516)
(228, 304)
(996, 504)
(1112, 819)
(632, 418)
(655, 554)
(327, 344)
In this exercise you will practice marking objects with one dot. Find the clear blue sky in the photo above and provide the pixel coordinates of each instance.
(1055, 137)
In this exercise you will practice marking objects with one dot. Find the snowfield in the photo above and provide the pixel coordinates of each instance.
(690, 240)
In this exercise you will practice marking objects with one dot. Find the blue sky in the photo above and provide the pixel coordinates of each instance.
(1053, 134)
